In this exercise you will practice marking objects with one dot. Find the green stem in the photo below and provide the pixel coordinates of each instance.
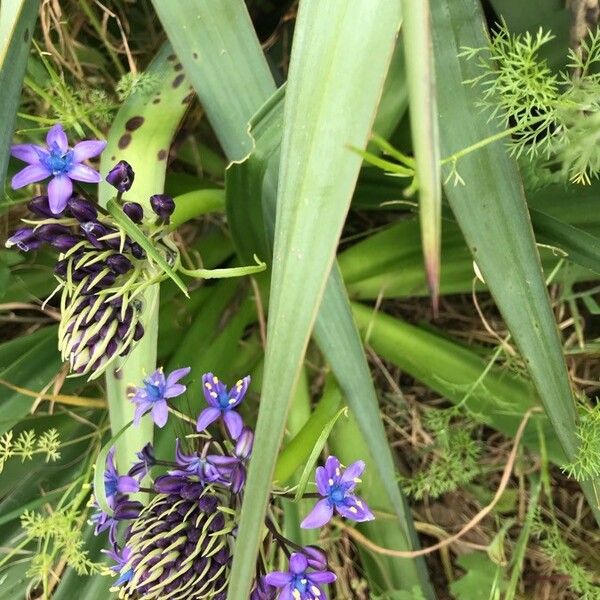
(223, 273)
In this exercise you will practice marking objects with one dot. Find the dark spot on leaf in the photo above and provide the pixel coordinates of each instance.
(178, 67)
(117, 373)
(171, 57)
(134, 123)
(188, 98)
(124, 141)
(156, 100)
(177, 81)
(113, 157)
(162, 154)
(26, 35)
(591, 15)
(195, 55)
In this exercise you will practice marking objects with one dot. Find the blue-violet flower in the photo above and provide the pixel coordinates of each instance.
(336, 485)
(222, 404)
(58, 161)
(153, 395)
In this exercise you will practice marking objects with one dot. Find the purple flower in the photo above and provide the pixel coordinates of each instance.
(336, 485)
(58, 161)
(221, 404)
(209, 469)
(121, 558)
(152, 396)
(115, 483)
(298, 583)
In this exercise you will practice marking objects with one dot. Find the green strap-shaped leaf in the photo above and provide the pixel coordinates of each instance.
(334, 47)
(17, 20)
(491, 211)
(420, 78)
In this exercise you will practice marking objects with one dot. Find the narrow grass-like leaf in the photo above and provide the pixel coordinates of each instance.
(220, 53)
(17, 21)
(492, 214)
(420, 78)
(334, 46)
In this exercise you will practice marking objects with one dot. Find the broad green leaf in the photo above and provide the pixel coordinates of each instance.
(420, 79)
(492, 214)
(324, 114)
(17, 21)
(221, 54)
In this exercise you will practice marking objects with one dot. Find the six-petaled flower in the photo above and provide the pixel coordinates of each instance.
(222, 403)
(59, 161)
(153, 395)
(336, 485)
(300, 583)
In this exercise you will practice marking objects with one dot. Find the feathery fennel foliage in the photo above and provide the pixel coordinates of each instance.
(27, 444)
(454, 455)
(586, 464)
(555, 116)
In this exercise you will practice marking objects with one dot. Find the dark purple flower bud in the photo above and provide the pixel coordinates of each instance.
(122, 329)
(60, 268)
(82, 209)
(238, 478)
(263, 591)
(317, 559)
(191, 491)
(65, 242)
(134, 211)
(121, 176)
(49, 232)
(243, 446)
(163, 206)
(208, 504)
(139, 332)
(24, 239)
(127, 509)
(94, 230)
(41, 206)
(137, 250)
(119, 263)
(146, 460)
(167, 484)
(111, 348)
(217, 524)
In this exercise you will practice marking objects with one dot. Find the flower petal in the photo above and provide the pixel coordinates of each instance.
(298, 563)
(322, 480)
(30, 174)
(278, 578)
(87, 149)
(174, 390)
(320, 577)
(160, 413)
(81, 172)
(57, 136)
(234, 423)
(30, 153)
(206, 417)
(353, 472)
(354, 508)
(126, 484)
(177, 374)
(238, 391)
(60, 189)
(212, 387)
(318, 516)
(332, 466)
(140, 410)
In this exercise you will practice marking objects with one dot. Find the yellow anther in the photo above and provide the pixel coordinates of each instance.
(208, 386)
(214, 394)
(353, 510)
